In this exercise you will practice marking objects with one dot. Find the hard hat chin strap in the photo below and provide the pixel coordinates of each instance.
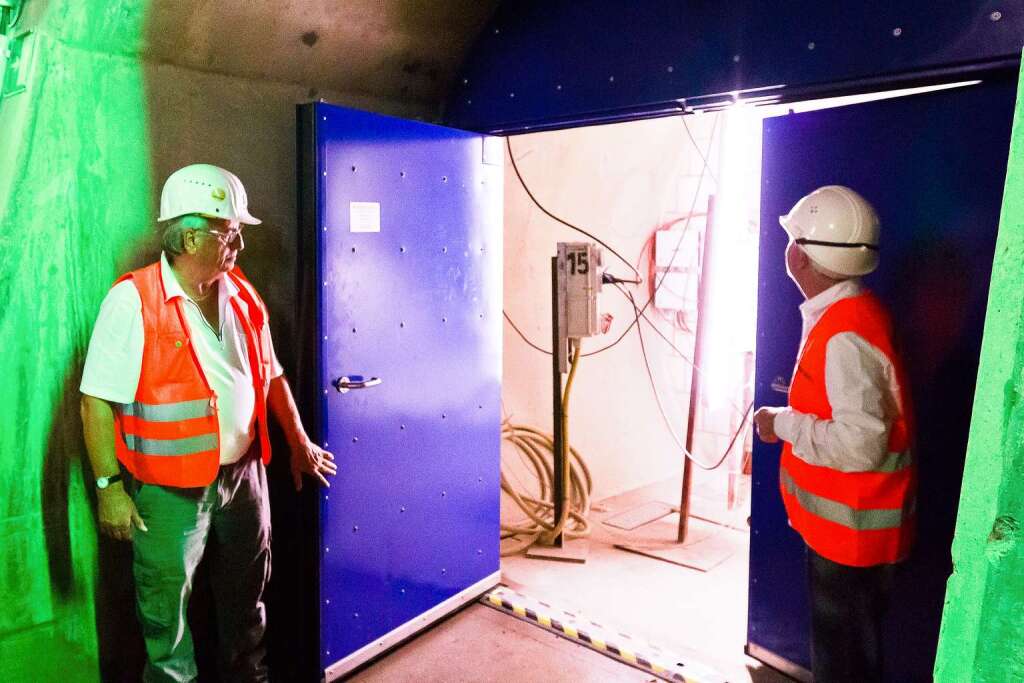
(849, 245)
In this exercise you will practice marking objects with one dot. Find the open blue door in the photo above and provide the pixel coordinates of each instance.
(406, 238)
(934, 166)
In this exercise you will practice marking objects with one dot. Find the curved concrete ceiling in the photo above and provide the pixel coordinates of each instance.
(401, 50)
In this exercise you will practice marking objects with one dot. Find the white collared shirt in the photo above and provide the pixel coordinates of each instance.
(862, 389)
(114, 362)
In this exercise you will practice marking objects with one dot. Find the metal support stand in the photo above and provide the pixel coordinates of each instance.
(562, 549)
(698, 358)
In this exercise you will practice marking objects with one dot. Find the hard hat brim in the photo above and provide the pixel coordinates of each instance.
(246, 218)
(249, 219)
(784, 222)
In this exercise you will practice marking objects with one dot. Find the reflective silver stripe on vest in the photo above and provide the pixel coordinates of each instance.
(861, 520)
(187, 446)
(168, 412)
(894, 462)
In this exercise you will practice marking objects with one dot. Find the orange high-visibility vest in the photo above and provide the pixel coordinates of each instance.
(169, 435)
(858, 519)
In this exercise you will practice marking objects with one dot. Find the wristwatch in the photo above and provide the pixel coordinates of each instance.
(104, 482)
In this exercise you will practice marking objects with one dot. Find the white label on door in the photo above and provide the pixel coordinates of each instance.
(364, 216)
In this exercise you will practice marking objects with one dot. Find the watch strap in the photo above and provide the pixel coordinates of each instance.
(105, 482)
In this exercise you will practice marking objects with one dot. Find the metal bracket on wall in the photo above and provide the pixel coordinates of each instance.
(16, 53)
(11, 13)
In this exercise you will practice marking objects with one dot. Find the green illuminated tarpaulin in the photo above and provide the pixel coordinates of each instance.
(76, 205)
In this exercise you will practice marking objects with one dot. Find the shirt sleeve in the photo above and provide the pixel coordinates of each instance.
(276, 369)
(113, 363)
(861, 387)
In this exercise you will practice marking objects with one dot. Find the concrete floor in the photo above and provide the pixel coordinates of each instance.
(482, 644)
(699, 616)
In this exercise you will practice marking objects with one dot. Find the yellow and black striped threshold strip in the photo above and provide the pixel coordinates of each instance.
(606, 641)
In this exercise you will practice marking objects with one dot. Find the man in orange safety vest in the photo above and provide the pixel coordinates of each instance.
(177, 383)
(847, 475)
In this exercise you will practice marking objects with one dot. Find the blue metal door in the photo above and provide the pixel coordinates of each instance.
(934, 167)
(408, 261)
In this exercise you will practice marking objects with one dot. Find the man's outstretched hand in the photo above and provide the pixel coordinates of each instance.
(308, 458)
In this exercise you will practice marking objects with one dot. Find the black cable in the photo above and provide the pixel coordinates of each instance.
(661, 409)
(515, 167)
(675, 252)
(689, 134)
(736, 434)
(693, 206)
(689, 361)
(637, 311)
(705, 169)
(656, 287)
(661, 334)
(525, 339)
(650, 376)
(546, 352)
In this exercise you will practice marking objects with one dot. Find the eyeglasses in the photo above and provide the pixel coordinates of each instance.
(227, 237)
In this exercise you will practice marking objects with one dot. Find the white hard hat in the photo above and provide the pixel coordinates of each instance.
(206, 190)
(837, 228)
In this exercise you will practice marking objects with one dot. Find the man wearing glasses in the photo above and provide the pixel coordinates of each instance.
(178, 379)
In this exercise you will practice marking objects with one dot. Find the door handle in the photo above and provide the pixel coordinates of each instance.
(348, 383)
(780, 385)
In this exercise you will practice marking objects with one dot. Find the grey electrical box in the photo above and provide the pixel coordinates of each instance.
(582, 268)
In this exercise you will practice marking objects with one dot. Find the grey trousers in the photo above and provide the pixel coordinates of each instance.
(235, 509)
(847, 607)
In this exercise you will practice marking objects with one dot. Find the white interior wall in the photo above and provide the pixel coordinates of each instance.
(619, 182)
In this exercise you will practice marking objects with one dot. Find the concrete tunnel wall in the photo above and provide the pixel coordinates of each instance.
(982, 630)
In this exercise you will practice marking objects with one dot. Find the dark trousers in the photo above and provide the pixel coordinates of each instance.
(847, 606)
(234, 512)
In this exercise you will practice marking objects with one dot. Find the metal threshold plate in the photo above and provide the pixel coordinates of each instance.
(639, 516)
(704, 550)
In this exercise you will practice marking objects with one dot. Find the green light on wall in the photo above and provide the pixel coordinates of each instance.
(75, 209)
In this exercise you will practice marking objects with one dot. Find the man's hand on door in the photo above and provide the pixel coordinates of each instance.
(764, 421)
(308, 458)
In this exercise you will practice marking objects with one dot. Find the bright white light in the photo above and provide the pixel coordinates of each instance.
(729, 313)
(829, 102)
(730, 309)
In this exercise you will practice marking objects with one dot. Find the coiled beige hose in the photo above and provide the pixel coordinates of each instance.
(538, 448)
